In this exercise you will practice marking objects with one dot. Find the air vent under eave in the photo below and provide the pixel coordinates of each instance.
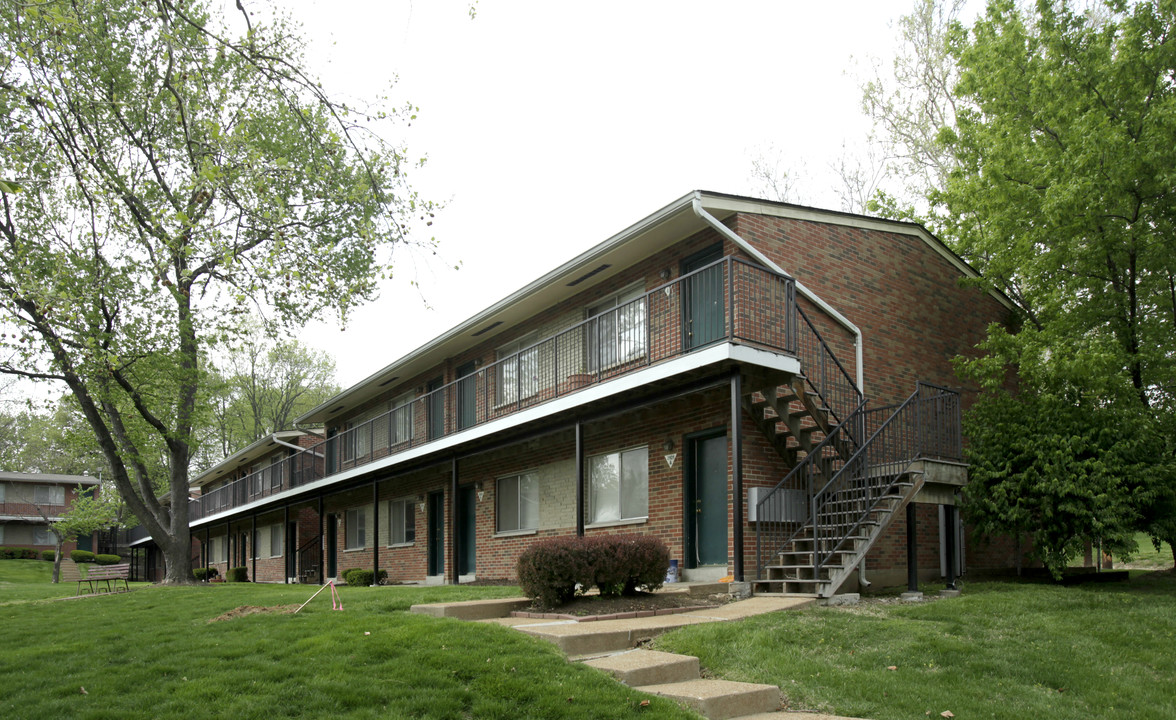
(589, 274)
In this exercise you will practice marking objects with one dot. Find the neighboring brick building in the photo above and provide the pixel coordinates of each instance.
(696, 377)
(27, 499)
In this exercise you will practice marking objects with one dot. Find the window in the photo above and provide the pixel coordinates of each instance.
(356, 530)
(49, 495)
(1, 529)
(368, 432)
(275, 539)
(401, 522)
(518, 502)
(518, 370)
(256, 479)
(401, 419)
(619, 486)
(617, 334)
(275, 473)
(224, 548)
(257, 542)
(2, 486)
(42, 536)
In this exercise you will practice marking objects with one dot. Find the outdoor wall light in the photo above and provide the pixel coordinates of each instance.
(668, 444)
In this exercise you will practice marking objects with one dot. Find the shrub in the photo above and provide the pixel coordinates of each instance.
(15, 553)
(48, 555)
(204, 574)
(7, 553)
(635, 562)
(107, 559)
(550, 571)
(362, 578)
(82, 556)
(237, 574)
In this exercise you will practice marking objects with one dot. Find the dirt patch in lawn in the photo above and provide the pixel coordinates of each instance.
(255, 610)
(600, 605)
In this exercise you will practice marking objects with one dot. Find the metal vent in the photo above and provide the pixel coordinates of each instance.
(588, 274)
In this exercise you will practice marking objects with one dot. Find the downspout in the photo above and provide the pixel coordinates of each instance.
(696, 204)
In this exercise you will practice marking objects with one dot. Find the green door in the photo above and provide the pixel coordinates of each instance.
(467, 396)
(436, 530)
(703, 302)
(706, 493)
(467, 526)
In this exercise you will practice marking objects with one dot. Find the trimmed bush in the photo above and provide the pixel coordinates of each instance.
(15, 553)
(204, 574)
(82, 556)
(362, 578)
(48, 555)
(551, 571)
(107, 559)
(237, 574)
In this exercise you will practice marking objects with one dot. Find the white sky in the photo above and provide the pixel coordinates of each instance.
(549, 126)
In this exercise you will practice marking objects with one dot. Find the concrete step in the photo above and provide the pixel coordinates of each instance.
(720, 699)
(647, 667)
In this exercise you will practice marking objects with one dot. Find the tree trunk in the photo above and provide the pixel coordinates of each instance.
(57, 561)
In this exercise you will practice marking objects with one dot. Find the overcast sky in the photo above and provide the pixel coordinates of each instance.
(549, 126)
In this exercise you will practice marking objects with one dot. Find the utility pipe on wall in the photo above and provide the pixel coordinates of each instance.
(747, 247)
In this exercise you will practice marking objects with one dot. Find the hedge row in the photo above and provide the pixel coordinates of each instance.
(553, 571)
(14, 553)
(203, 574)
(237, 574)
(362, 578)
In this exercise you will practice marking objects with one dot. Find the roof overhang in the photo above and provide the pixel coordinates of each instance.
(245, 456)
(600, 264)
(48, 478)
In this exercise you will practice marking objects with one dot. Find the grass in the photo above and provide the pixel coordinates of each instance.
(1147, 557)
(154, 653)
(1002, 650)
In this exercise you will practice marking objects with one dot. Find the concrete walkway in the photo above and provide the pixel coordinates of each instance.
(612, 646)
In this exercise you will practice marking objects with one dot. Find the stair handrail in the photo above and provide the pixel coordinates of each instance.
(765, 504)
(837, 397)
(820, 556)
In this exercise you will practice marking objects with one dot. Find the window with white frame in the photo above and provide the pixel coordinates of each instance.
(356, 529)
(518, 370)
(616, 332)
(256, 478)
(401, 522)
(518, 502)
(619, 486)
(2, 487)
(275, 540)
(1, 530)
(256, 543)
(401, 418)
(224, 548)
(49, 495)
(369, 432)
(275, 473)
(42, 536)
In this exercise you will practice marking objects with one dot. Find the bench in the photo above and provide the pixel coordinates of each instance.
(108, 574)
(70, 573)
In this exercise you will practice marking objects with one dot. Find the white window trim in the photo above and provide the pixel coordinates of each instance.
(281, 542)
(635, 520)
(516, 533)
(531, 344)
(618, 299)
(402, 403)
(410, 502)
(347, 528)
(497, 497)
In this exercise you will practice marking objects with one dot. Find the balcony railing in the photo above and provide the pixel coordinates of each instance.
(727, 301)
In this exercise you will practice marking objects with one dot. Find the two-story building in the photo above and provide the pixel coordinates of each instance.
(30, 501)
(766, 387)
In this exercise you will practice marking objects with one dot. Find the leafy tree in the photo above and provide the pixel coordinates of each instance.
(55, 441)
(262, 387)
(168, 171)
(1062, 197)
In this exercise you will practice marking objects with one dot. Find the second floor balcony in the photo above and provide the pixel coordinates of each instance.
(728, 301)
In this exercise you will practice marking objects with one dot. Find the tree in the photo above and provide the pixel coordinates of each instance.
(1062, 197)
(165, 175)
(57, 440)
(263, 386)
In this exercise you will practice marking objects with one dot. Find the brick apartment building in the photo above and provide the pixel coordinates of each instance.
(768, 388)
(27, 499)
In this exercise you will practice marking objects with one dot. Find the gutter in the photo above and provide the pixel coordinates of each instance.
(696, 204)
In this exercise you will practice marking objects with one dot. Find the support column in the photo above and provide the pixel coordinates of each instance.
(579, 478)
(287, 561)
(949, 528)
(453, 574)
(207, 552)
(375, 533)
(737, 471)
(253, 547)
(912, 535)
(322, 541)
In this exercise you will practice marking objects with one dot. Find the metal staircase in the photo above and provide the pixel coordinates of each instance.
(853, 469)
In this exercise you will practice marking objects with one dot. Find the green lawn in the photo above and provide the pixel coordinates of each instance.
(1147, 557)
(154, 653)
(1001, 650)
